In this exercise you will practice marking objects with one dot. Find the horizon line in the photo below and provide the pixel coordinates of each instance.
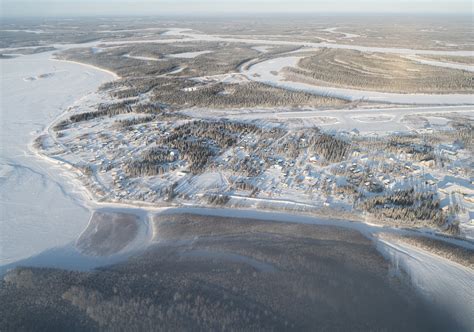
(239, 15)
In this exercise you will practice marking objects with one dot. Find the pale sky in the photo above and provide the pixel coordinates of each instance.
(19, 8)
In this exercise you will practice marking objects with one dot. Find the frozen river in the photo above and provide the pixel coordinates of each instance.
(38, 207)
(269, 72)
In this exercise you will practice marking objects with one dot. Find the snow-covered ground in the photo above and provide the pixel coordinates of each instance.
(269, 72)
(188, 55)
(144, 58)
(203, 183)
(367, 121)
(38, 205)
(262, 49)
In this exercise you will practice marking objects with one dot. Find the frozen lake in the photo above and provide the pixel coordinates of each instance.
(39, 209)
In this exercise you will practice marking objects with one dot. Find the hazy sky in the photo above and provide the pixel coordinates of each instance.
(16, 8)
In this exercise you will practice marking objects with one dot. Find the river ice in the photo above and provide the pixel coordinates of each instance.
(38, 208)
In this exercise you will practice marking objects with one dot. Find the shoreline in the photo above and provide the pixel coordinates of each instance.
(31, 187)
(116, 77)
(88, 200)
(278, 215)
